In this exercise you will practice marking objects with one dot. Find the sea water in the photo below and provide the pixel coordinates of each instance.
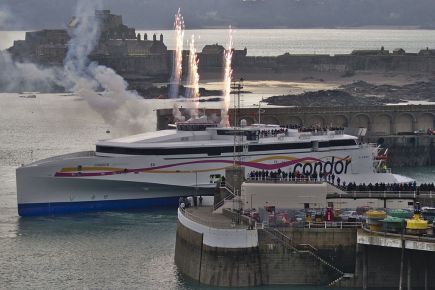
(270, 42)
(107, 250)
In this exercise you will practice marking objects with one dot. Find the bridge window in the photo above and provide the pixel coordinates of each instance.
(335, 143)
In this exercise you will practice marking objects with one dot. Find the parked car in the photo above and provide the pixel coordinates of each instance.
(351, 216)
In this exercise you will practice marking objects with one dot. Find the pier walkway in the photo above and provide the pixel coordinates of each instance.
(205, 216)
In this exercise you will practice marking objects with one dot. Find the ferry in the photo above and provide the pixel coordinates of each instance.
(156, 168)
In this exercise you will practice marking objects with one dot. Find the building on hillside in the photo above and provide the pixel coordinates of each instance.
(119, 47)
(427, 52)
(213, 55)
(399, 51)
(48, 46)
(366, 52)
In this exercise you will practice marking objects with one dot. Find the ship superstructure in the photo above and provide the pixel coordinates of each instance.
(156, 168)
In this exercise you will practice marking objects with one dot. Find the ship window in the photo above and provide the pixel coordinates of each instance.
(194, 127)
(334, 143)
(250, 135)
(346, 142)
(226, 132)
(211, 151)
(214, 151)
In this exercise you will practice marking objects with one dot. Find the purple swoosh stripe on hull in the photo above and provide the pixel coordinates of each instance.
(248, 164)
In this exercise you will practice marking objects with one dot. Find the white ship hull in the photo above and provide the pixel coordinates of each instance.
(80, 182)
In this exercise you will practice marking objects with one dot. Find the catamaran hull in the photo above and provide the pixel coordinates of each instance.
(52, 196)
(82, 182)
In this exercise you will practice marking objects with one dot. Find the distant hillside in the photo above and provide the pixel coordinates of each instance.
(32, 14)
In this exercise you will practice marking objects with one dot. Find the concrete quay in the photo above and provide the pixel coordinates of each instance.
(393, 261)
(219, 246)
(215, 252)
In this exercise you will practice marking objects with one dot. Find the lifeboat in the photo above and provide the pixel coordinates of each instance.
(393, 224)
(416, 225)
(374, 219)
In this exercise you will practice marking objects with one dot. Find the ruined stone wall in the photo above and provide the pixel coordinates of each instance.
(153, 64)
(334, 63)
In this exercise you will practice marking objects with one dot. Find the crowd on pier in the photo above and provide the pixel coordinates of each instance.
(395, 187)
(291, 176)
(282, 176)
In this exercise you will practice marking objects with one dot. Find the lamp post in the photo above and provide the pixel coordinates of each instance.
(196, 183)
(251, 199)
(259, 109)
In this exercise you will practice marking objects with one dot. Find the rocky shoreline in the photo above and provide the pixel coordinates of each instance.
(359, 93)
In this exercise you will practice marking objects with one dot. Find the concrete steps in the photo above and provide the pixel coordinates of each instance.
(287, 242)
(344, 276)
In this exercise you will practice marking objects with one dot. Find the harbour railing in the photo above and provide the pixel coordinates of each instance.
(230, 196)
(203, 220)
(333, 225)
(312, 225)
(284, 180)
(382, 194)
(417, 238)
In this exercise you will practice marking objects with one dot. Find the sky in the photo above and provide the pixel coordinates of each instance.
(158, 14)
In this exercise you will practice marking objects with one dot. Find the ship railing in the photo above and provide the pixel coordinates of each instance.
(333, 225)
(382, 194)
(369, 145)
(327, 132)
(284, 180)
(65, 156)
(230, 196)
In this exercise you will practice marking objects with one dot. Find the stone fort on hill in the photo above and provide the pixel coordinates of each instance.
(139, 57)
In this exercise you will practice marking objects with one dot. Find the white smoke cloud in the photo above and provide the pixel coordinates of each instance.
(103, 89)
(124, 110)
(5, 17)
(18, 76)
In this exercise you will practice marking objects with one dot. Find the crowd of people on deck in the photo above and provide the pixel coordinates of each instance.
(284, 130)
(273, 132)
(313, 128)
(279, 175)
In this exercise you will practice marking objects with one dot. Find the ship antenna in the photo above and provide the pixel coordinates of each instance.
(236, 88)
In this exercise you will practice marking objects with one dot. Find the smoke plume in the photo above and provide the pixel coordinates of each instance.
(103, 89)
(18, 77)
(5, 17)
(120, 108)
